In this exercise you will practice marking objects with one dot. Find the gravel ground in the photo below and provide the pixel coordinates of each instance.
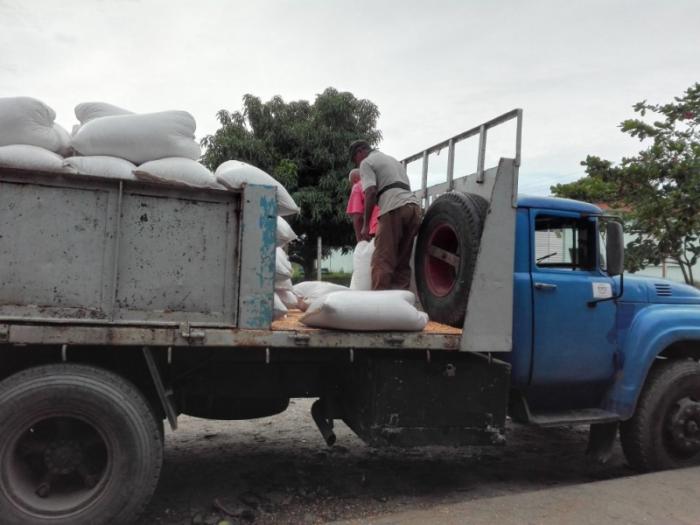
(277, 470)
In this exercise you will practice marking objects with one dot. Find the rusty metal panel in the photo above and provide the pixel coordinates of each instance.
(87, 248)
(176, 257)
(258, 243)
(55, 248)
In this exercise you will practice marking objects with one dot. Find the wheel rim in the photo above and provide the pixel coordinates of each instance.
(57, 466)
(442, 260)
(682, 428)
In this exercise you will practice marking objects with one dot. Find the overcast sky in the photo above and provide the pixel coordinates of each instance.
(433, 68)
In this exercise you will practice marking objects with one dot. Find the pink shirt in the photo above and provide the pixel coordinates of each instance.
(356, 204)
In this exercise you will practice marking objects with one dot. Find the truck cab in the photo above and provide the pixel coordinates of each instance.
(584, 341)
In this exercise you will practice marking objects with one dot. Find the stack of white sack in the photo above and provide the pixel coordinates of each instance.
(310, 291)
(234, 174)
(362, 266)
(158, 147)
(283, 267)
(285, 234)
(284, 293)
(29, 137)
(366, 311)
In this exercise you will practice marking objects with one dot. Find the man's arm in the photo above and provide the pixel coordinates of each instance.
(357, 225)
(370, 202)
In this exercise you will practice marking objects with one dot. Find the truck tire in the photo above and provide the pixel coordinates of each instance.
(664, 432)
(79, 445)
(446, 252)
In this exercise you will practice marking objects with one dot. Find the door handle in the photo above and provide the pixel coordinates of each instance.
(545, 286)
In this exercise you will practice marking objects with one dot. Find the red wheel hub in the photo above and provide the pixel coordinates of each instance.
(442, 260)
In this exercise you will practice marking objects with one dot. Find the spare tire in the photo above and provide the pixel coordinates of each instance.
(446, 252)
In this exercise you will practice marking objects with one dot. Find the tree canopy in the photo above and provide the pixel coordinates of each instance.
(658, 189)
(305, 147)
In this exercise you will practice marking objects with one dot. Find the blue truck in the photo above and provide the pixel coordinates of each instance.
(124, 304)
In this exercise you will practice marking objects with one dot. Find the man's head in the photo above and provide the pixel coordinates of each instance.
(359, 149)
(354, 176)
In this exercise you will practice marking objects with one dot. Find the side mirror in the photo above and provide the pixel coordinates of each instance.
(614, 249)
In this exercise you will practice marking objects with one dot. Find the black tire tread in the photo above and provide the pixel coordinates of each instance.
(81, 375)
(635, 433)
(472, 213)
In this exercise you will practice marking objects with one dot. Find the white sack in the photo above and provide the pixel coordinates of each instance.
(366, 311)
(139, 138)
(102, 166)
(362, 266)
(309, 291)
(177, 171)
(283, 268)
(234, 174)
(278, 309)
(284, 284)
(289, 298)
(87, 111)
(28, 121)
(25, 157)
(64, 147)
(285, 234)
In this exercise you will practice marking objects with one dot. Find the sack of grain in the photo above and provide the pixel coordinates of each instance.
(87, 111)
(285, 234)
(102, 166)
(391, 310)
(283, 267)
(24, 157)
(309, 291)
(28, 121)
(139, 138)
(362, 266)
(279, 310)
(234, 174)
(289, 298)
(177, 171)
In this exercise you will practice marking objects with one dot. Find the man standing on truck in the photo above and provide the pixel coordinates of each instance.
(385, 183)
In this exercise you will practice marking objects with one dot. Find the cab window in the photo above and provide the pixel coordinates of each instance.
(565, 242)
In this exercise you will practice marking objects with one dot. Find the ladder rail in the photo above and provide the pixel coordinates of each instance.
(482, 131)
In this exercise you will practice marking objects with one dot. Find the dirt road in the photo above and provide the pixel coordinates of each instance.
(278, 470)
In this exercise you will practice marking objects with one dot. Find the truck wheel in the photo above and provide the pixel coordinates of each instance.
(664, 432)
(79, 445)
(446, 251)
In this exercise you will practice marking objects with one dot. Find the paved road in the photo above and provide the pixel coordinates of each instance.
(664, 498)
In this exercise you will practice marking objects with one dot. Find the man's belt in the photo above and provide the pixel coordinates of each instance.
(400, 185)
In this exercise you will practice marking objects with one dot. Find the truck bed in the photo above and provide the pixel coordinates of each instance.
(92, 261)
(285, 333)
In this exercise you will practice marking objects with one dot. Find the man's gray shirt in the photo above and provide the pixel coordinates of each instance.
(379, 169)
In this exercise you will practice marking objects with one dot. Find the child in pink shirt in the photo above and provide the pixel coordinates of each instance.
(356, 206)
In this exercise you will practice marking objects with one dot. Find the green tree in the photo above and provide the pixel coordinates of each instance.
(658, 189)
(305, 147)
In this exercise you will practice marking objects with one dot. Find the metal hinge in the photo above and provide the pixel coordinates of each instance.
(394, 340)
(301, 339)
(4, 333)
(191, 334)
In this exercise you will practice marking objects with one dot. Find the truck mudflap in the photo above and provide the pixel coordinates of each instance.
(427, 399)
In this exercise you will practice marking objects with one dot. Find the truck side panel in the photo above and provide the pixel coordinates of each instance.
(88, 248)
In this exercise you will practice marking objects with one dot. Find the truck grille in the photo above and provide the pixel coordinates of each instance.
(663, 290)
